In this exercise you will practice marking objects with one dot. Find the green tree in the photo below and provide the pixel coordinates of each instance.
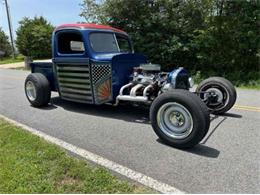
(229, 45)
(5, 45)
(215, 37)
(91, 11)
(34, 37)
(161, 29)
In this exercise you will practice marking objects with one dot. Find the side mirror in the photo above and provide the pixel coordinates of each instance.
(77, 46)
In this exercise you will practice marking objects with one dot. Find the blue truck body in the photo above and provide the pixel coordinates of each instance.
(107, 71)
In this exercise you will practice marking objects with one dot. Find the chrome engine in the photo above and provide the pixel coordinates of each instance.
(147, 82)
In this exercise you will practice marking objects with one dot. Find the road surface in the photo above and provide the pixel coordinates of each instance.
(226, 161)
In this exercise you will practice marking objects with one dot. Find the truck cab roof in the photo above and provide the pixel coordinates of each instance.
(89, 26)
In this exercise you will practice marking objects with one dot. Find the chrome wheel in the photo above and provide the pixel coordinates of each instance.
(30, 90)
(175, 120)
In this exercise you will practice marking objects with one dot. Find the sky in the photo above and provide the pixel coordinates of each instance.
(55, 11)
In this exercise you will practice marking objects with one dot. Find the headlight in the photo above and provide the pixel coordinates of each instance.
(191, 82)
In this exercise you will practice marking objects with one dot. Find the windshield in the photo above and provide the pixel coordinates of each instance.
(109, 43)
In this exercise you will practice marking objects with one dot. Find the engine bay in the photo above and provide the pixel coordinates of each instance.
(147, 82)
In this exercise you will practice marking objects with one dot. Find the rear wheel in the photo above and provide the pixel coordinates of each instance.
(37, 89)
(179, 118)
(218, 94)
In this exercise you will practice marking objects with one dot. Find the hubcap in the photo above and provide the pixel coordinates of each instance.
(175, 120)
(30, 90)
(215, 93)
(216, 97)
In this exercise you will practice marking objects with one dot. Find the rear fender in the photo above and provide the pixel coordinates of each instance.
(45, 68)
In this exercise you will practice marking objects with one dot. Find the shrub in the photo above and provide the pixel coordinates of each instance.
(34, 37)
(5, 46)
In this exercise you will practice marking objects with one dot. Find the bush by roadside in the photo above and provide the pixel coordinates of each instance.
(248, 80)
(5, 46)
(34, 37)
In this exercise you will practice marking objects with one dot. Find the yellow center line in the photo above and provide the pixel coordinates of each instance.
(247, 108)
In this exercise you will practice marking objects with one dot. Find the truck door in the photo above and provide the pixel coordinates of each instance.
(72, 67)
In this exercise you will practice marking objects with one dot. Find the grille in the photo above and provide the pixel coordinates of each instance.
(74, 82)
(100, 72)
(101, 78)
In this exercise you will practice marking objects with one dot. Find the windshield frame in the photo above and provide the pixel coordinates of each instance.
(115, 34)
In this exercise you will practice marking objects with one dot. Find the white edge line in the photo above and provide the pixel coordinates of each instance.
(129, 173)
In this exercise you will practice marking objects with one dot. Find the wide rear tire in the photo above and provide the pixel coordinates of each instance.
(179, 118)
(37, 89)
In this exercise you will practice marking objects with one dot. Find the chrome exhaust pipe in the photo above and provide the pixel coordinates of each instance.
(132, 99)
(134, 89)
(146, 89)
(124, 87)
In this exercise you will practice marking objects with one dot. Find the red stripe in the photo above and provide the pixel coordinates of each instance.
(89, 25)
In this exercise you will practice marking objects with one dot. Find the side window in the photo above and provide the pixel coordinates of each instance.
(70, 42)
(123, 44)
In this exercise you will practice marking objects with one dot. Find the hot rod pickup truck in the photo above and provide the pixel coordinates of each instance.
(96, 64)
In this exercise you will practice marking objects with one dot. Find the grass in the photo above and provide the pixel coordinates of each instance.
(252, 83)
(28, 164)
(255, 87)
(10, 60)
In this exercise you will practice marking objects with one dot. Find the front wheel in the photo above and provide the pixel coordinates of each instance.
(179, 118)
(218, 94)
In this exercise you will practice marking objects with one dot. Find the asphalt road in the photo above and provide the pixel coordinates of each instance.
(226, 161)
